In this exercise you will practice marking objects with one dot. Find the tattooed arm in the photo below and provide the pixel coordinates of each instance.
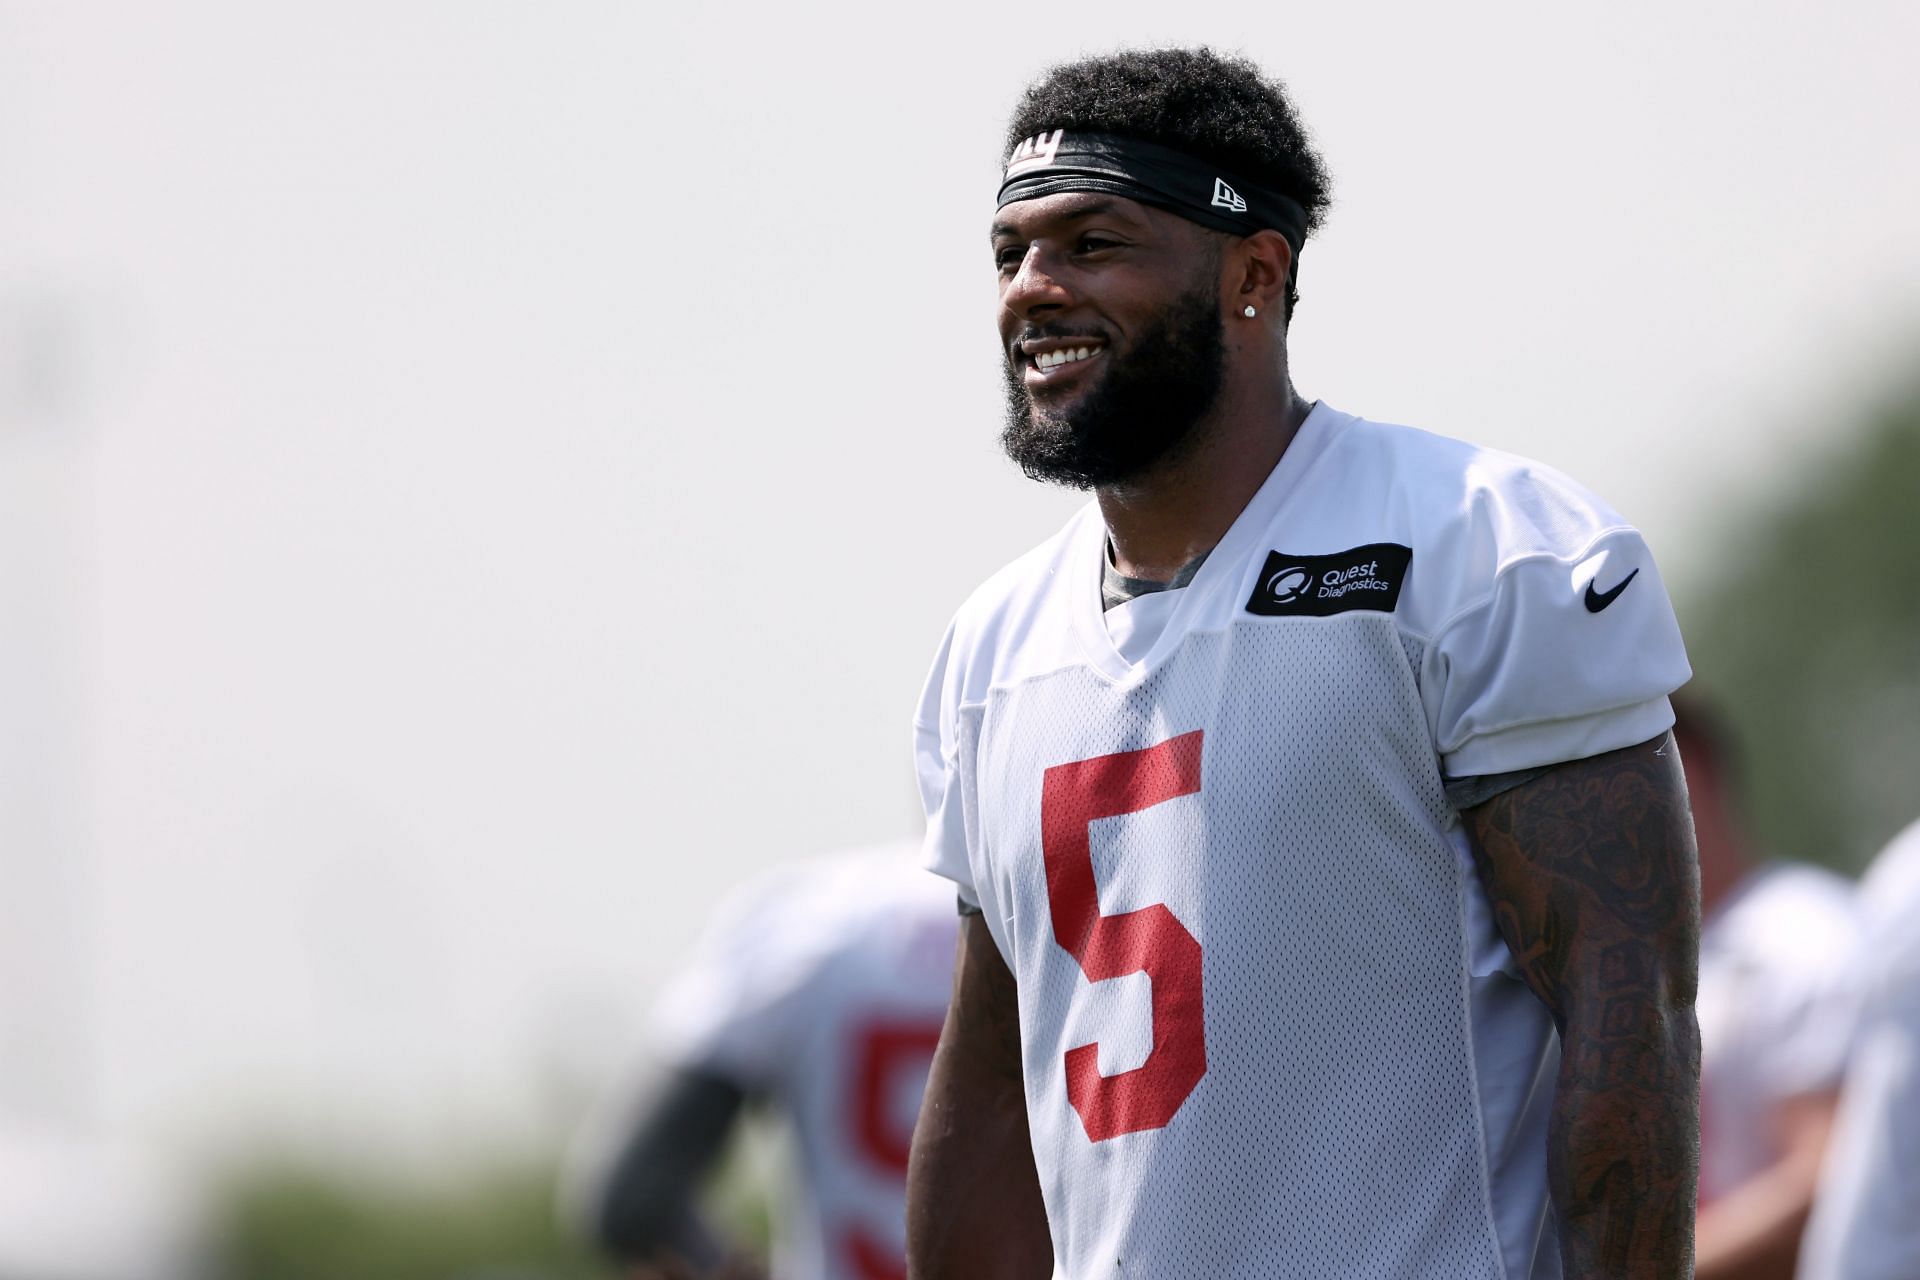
(1591, 874)
(973, 1198)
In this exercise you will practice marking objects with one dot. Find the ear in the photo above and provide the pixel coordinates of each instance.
(1257, 274)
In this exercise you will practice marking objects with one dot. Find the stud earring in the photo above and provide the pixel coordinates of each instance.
(1249, 313)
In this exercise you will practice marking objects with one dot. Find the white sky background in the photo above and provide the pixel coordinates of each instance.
(478, 480)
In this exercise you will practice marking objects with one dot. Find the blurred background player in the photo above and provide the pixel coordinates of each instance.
(819, 991)
(1777, 1008)
(1866, 1225)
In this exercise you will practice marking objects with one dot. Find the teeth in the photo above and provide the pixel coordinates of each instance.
(1054, 359)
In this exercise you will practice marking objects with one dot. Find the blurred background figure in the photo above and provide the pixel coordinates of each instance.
(819, 991)
(1777, 1008)
(1866, 1225)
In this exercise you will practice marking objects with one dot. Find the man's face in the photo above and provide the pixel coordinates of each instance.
(1110, 320)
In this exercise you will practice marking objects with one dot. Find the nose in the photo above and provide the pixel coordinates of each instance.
(1036, 288)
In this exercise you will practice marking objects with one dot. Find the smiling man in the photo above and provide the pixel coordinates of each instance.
(1327, 881)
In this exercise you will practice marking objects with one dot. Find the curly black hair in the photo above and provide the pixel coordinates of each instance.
(1218, 107)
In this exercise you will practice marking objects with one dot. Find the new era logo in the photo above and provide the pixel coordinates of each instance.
(1036, 152)
(1227, 198)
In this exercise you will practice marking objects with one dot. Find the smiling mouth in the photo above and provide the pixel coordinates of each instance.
(1048, 360)
(1057, 360)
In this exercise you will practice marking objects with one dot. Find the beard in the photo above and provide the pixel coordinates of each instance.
(1144, 412)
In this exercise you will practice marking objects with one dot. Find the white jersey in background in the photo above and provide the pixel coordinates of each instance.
(1779, 1000)
(1866, 1219)
(1268, 1027)
(822, 989)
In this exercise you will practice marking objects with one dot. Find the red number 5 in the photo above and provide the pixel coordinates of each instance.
(1151, 940)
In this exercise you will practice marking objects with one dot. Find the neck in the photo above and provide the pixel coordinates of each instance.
(1182, 509)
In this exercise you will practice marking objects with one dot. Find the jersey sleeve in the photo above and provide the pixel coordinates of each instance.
(1569, 650)
(739, 1009)
(944, 851)
(1801, 978)
(1813, 1026)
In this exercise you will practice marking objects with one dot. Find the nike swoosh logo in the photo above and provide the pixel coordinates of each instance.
(1598, 600)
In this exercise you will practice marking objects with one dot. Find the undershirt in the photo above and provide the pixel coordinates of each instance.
(1116, 588)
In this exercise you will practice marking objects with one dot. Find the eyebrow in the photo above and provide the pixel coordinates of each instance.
(1092, 209)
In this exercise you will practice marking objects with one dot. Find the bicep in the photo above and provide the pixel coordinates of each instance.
(983, 1018)
(974, 1207)
(1590, 872)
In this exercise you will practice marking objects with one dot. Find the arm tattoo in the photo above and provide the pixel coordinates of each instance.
(1591, 875)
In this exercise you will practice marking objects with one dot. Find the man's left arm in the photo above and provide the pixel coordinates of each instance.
(1591, 874)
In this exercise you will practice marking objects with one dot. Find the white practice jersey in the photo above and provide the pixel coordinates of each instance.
(1866, 1219)
(1269, 1028)
(822, 990)
(1779, 999)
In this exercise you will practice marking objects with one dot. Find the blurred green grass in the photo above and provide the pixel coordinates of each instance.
(302, 1222)
(285, 1217)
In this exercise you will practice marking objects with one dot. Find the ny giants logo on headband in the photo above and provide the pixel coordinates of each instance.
(1036, 152)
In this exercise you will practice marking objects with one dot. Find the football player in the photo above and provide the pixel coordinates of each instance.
(819, 992)
(1333, 904)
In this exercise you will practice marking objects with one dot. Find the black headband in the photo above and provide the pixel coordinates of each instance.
(1051, 163)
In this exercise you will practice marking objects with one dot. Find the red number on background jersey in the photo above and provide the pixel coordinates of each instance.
(889, 1057)
(869, 1261)
(1151, 940)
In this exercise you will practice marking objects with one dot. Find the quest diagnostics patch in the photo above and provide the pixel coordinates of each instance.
(1366, 577)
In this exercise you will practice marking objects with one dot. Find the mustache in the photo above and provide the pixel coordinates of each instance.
(1038, 332)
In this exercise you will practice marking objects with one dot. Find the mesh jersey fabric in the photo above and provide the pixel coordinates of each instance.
(1215, 848)
(1135, 620)
(1779, 1001)
(821, 988)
